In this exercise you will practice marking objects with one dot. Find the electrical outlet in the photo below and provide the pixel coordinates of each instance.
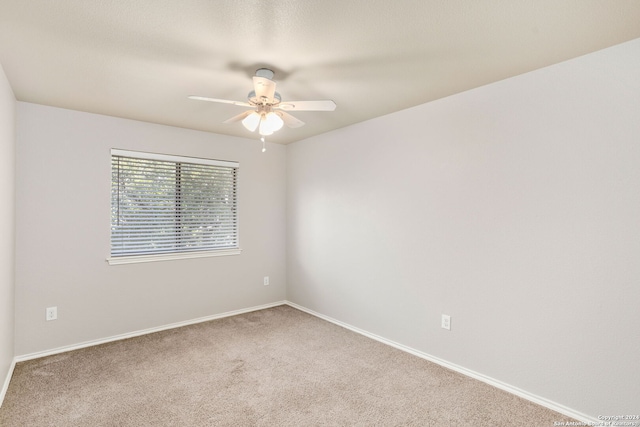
(52, 313)
(266, 280)
(446, 322)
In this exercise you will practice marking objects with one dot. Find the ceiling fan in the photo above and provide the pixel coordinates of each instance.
(268, 113)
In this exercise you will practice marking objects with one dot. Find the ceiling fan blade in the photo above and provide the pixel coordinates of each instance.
(239, 117)
(221, 101)
(265, 89)
(289, 120)
(325, 105)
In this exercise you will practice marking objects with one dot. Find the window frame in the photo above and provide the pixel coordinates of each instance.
(166, 256)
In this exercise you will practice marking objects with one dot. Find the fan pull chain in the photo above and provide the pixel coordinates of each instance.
(264, 148)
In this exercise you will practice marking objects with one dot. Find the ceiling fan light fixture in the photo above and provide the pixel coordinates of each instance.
(270, 123)
(274, 121)
(252, 121)
(264, 129)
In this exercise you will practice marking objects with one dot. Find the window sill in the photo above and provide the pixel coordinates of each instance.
(169, 257)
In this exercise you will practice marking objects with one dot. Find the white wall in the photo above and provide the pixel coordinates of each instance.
(514, 208)
(7, 225)
(62, 232)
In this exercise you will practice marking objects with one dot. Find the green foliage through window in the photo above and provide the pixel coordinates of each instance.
(162, 206)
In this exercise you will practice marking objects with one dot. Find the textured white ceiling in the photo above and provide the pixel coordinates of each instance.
(141, 59)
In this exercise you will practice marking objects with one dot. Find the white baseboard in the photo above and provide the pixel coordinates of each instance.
(85, 344)
(464, 371)
(7, 380)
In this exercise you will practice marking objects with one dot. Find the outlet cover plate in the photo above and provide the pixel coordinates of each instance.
(446, 322)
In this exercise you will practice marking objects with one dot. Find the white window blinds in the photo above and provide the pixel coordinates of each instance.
(166, 204)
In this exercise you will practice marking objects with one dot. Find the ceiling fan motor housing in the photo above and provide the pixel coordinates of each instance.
(254, 100)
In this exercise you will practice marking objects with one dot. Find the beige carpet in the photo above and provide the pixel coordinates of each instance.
(275, 367)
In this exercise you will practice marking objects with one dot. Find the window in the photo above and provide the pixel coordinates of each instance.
(167, 207)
